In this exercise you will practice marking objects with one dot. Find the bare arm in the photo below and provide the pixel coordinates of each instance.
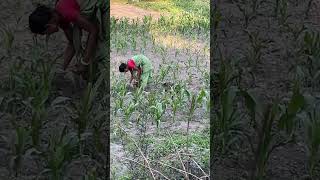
(69, 52)
(93, 31)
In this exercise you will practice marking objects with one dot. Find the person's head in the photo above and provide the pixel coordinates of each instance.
(43, 20)
(123, 67)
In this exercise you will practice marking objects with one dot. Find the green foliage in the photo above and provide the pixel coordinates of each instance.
(21, 145)
(312, 129)
(62, 149)
(227, 124)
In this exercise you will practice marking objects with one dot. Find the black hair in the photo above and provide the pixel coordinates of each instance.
(122, 67)
(39, 18)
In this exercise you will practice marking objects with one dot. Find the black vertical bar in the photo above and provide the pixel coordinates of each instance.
(107, 26)
(213, 39)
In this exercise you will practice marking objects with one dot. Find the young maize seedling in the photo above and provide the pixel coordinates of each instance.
(98, 124)
(254, 52)
(119, 105)
(20, 147)
(175, 106)
(227, 124)
(129, 110)
(311, 48)
(287, 120)
(313, 137)
(194, 100)
(264, 147)
(61, 151)
(158, 111)
(225, 76)
(8, 38)
(83, 109)
(164, 70)
(137, 95)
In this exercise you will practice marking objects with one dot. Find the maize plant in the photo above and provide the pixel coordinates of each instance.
(129, 110)
(158, 111)
(83, 110)
(163, 72)
(287, 120)
(21, 145)
(63, 148)
(254, 51)
(98, 124)
(227, 124)
(264, 147)
(8, 38)
(312, 125)
(311, 48)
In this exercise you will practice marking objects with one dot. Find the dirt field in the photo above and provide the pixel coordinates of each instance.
(14, 17)
(120, 10)
(177, 51)
(272, 80)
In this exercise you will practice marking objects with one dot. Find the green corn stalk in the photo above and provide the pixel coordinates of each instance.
(287, 120)
(175, 105)
(120, 93)
(254, 52)
(178, 95)
(175, 71)
(133, 43)
(265, 136)
(225, 76)
(151, 98)
(163, 72)
(194, 100)
(311, 48)
(119, 105)
(129, 110)
(157, 111)
(61, 151)
(8, 38)
(137, 95)
(84, 109)
(98, 124)
(38, 115)
(20, 147)
(313, 138)
(227, 124)
(38, 101)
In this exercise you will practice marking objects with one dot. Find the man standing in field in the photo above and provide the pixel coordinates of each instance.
(73, 16)
(140, 68)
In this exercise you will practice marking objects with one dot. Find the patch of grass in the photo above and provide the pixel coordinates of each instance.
(199, 142)
(178, 6)
(183, 15)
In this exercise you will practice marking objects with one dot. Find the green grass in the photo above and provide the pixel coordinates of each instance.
(199, 143)
(200, 7)
(187, 17)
